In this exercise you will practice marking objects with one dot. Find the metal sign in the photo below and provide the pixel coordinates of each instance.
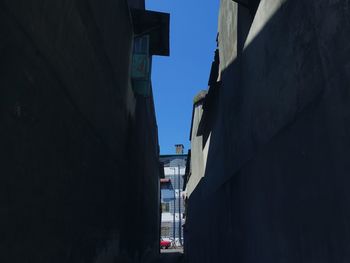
(141, 66)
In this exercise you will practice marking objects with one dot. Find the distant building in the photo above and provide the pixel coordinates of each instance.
(172, 204)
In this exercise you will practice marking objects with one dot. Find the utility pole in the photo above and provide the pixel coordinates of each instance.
(177, 162)
(179, 196)
(174, 210)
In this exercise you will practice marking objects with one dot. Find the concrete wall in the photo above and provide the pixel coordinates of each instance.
(197, 160)
(138, 4)
(227, 27)
(75, 142)
(141, 192)
(276, 184)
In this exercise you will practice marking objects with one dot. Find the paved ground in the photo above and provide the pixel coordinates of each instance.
(173, 250)
(171, 256)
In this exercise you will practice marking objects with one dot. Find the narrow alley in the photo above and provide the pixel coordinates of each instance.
(171, 258)
(166, 131)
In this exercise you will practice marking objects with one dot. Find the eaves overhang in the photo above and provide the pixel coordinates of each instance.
(252, 5)
(242, 2)
(156, 25)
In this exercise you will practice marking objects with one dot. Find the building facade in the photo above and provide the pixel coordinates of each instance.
(172, 202)
(78, 131)
(276, 117)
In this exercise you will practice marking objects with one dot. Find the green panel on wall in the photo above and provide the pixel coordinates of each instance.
(142, 87)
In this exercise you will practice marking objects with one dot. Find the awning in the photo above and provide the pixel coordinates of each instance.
(165, 180)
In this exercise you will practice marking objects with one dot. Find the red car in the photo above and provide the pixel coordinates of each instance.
(164, 244)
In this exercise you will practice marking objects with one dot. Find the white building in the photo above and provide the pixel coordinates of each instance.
(172, 203)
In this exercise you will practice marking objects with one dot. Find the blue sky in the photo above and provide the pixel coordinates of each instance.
(178, 78)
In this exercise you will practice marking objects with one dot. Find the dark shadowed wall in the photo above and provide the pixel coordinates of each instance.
(69, 123)
(276, 181)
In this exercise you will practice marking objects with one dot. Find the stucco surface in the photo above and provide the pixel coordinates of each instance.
(75, 141)
(275, 183)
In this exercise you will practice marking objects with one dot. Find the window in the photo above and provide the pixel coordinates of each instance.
(141, 45)
(165, 207)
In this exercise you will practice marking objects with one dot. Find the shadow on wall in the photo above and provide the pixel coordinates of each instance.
(66, 146)
(275, 187)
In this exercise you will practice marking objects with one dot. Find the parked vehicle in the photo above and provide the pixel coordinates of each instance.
(165, 244)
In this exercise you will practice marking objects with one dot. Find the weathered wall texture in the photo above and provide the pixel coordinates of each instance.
(227, 26)
(68, 124)
(197, 160)
(276, 183)
(141, 192)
